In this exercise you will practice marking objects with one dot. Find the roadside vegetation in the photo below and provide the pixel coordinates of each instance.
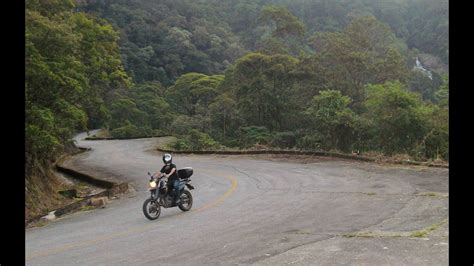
(73, 69)
(422, 233)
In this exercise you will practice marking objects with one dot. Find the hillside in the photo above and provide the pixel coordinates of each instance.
(161, 40)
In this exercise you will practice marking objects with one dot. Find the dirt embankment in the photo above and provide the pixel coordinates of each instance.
(41, 192)
(43, 185)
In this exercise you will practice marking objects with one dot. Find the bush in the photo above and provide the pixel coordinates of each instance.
(183, 124)
(160, 132)
(332, 118)
(311, 141)
(434, 146)
(249, 136)
(437, 145)
(400, 118)
(284, 140)
(201, 141)
(130, 131)
(126, 131)
(196, 141)
(234, 143)
(181, 144)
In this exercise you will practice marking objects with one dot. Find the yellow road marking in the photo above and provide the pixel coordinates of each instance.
(133, 230)
(221, 198)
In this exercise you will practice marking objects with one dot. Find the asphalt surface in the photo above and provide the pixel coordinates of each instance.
(253, 210)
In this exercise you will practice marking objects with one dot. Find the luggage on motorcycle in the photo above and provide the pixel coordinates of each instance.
(186, 172)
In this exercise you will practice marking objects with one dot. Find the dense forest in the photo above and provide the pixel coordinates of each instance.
(313, 75)
(161, 40)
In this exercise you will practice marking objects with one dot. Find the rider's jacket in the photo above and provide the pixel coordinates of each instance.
(167, 169)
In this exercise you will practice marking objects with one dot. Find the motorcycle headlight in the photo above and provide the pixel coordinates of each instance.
(152, 184)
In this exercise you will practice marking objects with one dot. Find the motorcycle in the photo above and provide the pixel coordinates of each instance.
(162, 196)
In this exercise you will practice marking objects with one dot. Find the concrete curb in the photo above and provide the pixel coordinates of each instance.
(295, 152)
(85, 177)
(112, 138)
(113, 188)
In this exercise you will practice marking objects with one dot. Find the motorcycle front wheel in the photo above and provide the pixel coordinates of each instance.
(186, 201)
(151, 209)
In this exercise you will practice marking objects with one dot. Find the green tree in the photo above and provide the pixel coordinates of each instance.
(124, 112)
(442, 94)
(287, 31)
(365, 52)
(333, 120)
(264, 88)
(72, 62)
(400, 118)
(284, 23)
(179, 95)
(149, 99)
(72, 65)
(224, 115)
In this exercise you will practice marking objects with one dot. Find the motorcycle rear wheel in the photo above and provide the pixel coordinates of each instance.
(151, 209)
(187, 201)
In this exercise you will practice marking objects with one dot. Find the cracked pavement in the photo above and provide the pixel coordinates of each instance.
(254, 210)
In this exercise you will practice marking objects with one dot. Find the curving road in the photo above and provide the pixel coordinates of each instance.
(253, 210)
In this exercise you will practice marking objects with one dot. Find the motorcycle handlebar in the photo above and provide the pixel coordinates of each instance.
(153, 175)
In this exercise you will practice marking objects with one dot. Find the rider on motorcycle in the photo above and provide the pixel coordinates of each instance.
(169, 171)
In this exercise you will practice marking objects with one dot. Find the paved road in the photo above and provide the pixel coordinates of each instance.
(254, 210)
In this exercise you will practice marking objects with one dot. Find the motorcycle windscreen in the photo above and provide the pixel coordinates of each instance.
(186, 172)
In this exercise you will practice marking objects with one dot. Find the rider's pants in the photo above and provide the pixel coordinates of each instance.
(176, 188)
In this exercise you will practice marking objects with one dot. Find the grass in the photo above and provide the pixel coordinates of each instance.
(434, 194)
(103, 133)
(40, 223)
(419, 233)
(426, 231)
(428, 194)
(370, 234)
(86, 208)
(358, 234)
(166, 143)
(81, 185)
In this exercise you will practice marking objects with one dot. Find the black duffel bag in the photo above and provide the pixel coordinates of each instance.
(185, 173)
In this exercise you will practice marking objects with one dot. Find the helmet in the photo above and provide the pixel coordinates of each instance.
(167, 158)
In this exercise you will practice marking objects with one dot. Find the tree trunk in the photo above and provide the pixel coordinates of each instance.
(224, 126)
